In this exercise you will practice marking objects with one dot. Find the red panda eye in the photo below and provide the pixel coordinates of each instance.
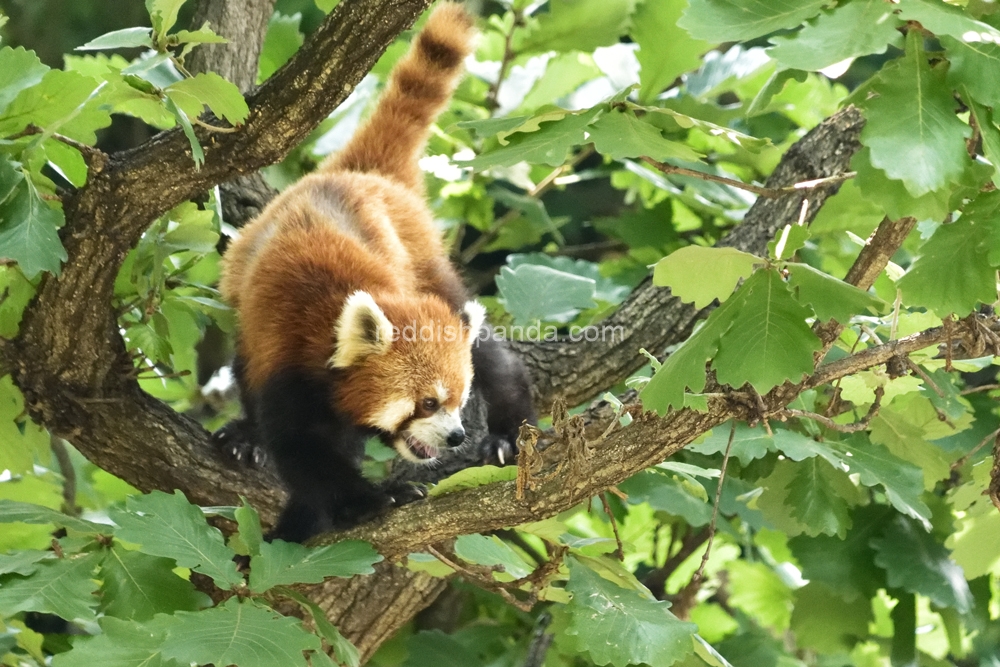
(430, 404)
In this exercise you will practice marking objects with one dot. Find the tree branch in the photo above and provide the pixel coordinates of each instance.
(651, 317)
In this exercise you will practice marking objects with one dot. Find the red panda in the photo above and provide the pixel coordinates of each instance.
(352, 322)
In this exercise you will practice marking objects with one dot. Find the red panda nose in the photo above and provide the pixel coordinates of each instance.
(456, 437)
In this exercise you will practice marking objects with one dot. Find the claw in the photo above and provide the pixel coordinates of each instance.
(258, 456)
(236, 453)
(500, 456)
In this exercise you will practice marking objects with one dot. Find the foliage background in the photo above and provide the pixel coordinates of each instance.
(830, 548)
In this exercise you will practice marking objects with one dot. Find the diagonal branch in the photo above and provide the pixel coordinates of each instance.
(653, 319)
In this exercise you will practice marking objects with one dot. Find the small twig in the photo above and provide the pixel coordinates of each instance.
(829, 423)
(68, 474)
(620, 550)
(972, 452)
(93, 157)
(541, 188)
(924, 376)
(770, 193)
(482, 576)
(700, 572)
(493, 93)
(983, 387)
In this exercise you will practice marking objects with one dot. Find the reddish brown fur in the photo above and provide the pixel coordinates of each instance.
(360, 223)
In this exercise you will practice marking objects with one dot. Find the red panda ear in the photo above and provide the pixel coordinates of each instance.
(473, 316)
(362, 330)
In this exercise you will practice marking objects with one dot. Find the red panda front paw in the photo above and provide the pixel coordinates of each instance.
(235, 441)
(498, 450)
(403, 493)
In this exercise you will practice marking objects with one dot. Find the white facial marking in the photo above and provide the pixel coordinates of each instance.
(430, 432)
(441, 392)
(392, 415)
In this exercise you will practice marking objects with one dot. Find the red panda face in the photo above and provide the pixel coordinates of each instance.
(407, 369)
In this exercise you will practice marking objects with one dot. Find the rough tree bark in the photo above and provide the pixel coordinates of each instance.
(70, 361)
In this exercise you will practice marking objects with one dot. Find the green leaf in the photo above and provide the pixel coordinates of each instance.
(564, 73)
(137, 586)
(490, 127)
(824, 621)
(989, 132)
(830, 299)
(908, 441)
(771, 342)
(238, 633)
(470, 478)
(646, 228)
(976, 66)
(665, 49)
(816, 496)
(749, 443)
(685, 367)
(903, 481)
(914, 561)
(435, 649)
(64, 587)
(23, 442)
(346, 653)
(23, 562)
(122, 644)
(892, 196)
(197, 154)
(19, 69)
(250, 534)
(665, 493)
(28, 233)
(911, 128)
(845, 565)
(605, 289)
(758, 591)
(120, 39)
(12, 511)
(675, 121)
(219, 95)
(490, 550)
(787, 241)
(858, 28)
(531, 292)
(549, 144)
(62, 102)
(168, 525)
(799, 447)
(163, 14)
(282, 40)
(619, 134)
(622, 627)
(577, 25)
(944, 19)
(282, 563)
(203, 35)
(10, 177)
(682, 271)
(738, 20)
(953, 273)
